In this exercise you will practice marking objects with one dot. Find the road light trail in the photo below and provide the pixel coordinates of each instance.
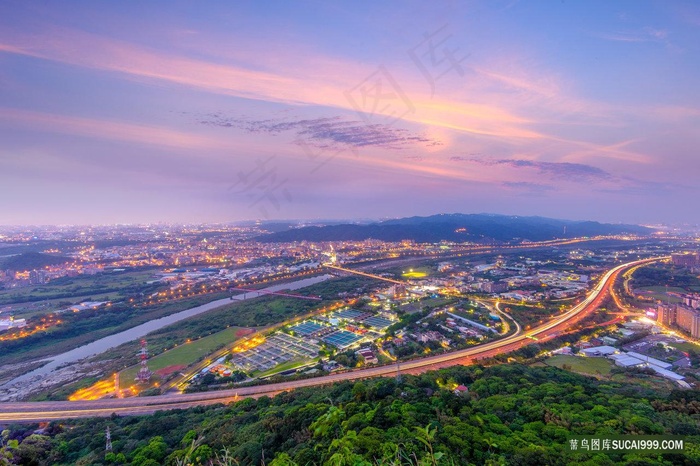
(43, 411)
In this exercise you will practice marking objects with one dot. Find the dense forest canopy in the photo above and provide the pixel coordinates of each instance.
(512, 414)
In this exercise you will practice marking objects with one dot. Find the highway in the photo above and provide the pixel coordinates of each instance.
(51, 410)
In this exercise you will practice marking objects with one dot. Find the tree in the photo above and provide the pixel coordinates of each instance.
(151, 454)
(33, 450)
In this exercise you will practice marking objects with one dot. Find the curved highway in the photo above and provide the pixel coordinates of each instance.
(50, 410)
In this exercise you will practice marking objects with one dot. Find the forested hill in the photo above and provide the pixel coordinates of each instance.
(456, 227)
(512, 415)
(31, 260)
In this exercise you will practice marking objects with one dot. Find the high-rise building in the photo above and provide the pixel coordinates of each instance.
(495, 287)
(688, 259)
(682, 317)
(692, 300)
(666, 315)
(37, 277)
(689, 320)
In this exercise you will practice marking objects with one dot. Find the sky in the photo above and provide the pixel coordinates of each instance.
(172, 111)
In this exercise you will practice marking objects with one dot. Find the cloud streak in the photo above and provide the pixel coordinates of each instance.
(107, 129)
(529, 188)
(328, 132)
(647, 34)
(288, 86)
(563, 170)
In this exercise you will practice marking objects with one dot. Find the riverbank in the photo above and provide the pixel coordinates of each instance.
(59, 371)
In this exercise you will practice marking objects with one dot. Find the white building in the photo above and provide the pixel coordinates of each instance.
(599, 351)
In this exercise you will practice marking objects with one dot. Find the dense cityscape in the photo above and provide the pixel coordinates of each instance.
(349, 234)
(279, 315)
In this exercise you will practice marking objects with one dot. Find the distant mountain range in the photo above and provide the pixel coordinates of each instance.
(457, 228)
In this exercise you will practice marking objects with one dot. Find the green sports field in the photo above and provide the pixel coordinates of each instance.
(185, 354)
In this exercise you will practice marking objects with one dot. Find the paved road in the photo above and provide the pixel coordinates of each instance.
(43, 411)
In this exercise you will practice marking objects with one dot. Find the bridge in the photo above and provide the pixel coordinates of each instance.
(52, 410)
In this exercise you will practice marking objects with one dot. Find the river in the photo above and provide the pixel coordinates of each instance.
(134, 333)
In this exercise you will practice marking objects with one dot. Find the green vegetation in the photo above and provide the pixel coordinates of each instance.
(687, 346)
(86, 326)
(117, 285)
(428, 303)
(259, 312)
(532, 315)
(285, 366)
(31, 260)
(256, 312)
(583, 365)
(642, 381)
(185, 354)
(512, 415)
(64, 391)
(661, 275)
(658, 293)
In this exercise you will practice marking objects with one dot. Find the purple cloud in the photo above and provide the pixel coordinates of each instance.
(530, 188)
(571, 171)
(331, 131)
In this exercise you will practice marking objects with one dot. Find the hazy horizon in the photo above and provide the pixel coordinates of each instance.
(186, 113)
(311, 221)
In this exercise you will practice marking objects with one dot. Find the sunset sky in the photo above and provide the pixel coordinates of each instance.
(135, 112)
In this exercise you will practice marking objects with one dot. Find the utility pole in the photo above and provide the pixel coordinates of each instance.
(108, 444)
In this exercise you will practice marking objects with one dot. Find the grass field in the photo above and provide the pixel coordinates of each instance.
(529, 315)
(582, 365)
(185, 354)
(686, 346)
(39, 308)
(661, 289)
(659, 293)
(108, 284)
(286, 366)
(650, 382)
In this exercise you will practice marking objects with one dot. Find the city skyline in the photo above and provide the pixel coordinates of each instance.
(126, 113)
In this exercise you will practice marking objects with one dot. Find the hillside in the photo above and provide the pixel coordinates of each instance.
(512, 415)
(457, 228)
(30, 261)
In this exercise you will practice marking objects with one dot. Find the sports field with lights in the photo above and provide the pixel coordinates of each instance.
(414, 274)
(185, 354)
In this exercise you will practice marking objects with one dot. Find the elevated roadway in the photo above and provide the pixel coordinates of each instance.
(51, 410)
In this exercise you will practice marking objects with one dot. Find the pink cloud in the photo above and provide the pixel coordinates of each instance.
(483, 106)
(324, 85)
(106, 129)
